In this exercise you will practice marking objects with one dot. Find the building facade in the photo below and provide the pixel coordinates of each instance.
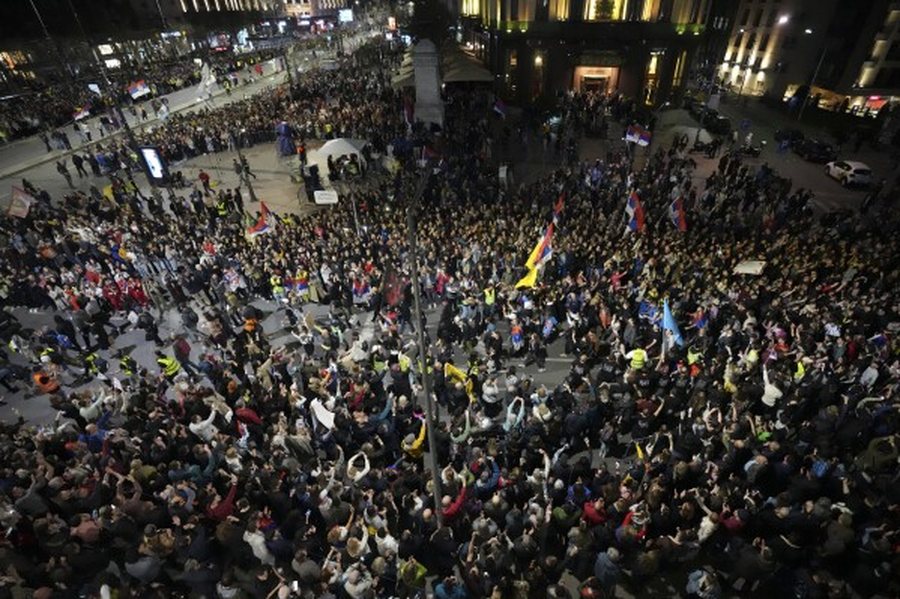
(844, 56)
(640, 48)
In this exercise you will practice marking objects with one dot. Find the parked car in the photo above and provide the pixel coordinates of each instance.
(849, 172)
(716, 123)
(792, 136)
(815, 151)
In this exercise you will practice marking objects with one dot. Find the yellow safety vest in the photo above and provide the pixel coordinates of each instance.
(404, 362)
(275, 281)
(800, 372)
(693, 357)
(222, 208)
(91, 360)
(638, 359)
(490, 295)
(127, 365)
(169, 365)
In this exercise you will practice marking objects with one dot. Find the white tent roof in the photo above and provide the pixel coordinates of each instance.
(341, 146)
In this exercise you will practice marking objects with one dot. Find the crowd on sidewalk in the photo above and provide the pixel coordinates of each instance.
(45, 107)
(755, 451)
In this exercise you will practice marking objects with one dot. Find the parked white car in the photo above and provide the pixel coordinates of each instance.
(849, 172)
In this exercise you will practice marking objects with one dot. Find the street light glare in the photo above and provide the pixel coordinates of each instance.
(783, 19)
(807, 31)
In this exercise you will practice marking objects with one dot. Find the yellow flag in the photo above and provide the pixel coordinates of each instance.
(528, 280)
(454, 373)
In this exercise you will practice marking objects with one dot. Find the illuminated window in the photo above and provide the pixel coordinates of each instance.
(653, 64)
(679, 69)
(559, 10)
(602, 10)
(651, 77)
(651, 10)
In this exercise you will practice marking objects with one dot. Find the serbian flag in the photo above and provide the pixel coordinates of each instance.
(360, 288)
(262, 223)
(539, 255)
(138, 89)
(676, 214)
(558, 207)
(638, 135)
(635, 213)
(500, 108)
(82, 112)
(301, 282)
(543, 250)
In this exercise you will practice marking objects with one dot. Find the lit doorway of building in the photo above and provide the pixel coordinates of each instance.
(600, 80)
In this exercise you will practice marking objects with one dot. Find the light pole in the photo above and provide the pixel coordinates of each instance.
(244, 178)
(431, 414)
(812, 81)
(50, 41)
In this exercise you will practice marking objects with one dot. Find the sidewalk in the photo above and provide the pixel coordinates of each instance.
(30, 152)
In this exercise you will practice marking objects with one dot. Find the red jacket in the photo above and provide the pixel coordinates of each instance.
(451, 511)
(225, 507)
(248, 415)
(592, 515)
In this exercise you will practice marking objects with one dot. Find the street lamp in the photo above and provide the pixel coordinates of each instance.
(243, 177)
(431, 416)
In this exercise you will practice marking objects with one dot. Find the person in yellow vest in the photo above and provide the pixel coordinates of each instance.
(169, 366)
(277, 284)
(222, 208)
(490, 300)
(638, 358)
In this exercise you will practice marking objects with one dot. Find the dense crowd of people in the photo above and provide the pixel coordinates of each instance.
(756, 458)
(45, 107)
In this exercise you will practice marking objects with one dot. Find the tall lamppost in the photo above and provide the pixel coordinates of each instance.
(815, 75)
(431, 415)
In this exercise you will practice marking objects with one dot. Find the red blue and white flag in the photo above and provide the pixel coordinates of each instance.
(638, 135)
(635, 213)
(262, 223)
(82, 112)
(542, 251)
(138, 89)
(500, 108)
(676, 214)
(558, 207)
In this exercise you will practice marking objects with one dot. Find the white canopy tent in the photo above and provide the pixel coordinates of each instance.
(336, 148)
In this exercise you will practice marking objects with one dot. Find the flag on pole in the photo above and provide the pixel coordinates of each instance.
(676, 214)
(262, 223)
(500, 108)
(138, 89)
(537, 258)
(670, 326)
(558, 207)
(20, 203)
(635, 213)
(638, 135)
(82, 112)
